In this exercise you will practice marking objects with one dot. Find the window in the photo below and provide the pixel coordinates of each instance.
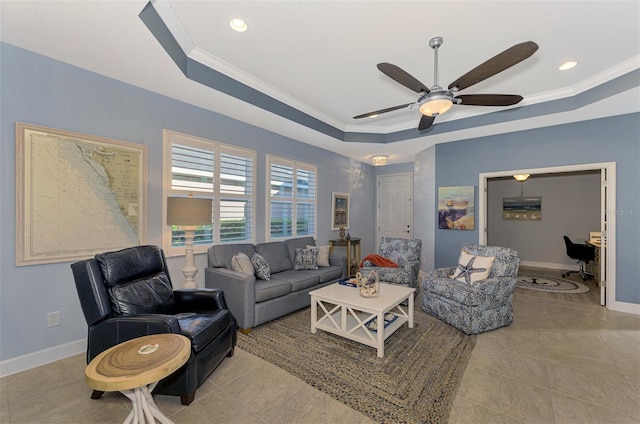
(204, 168)
(292, 198)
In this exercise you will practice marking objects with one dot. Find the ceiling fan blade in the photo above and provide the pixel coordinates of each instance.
(378, 112)
(401, 76)
(425, 122)
(489, 99)
(496, 64)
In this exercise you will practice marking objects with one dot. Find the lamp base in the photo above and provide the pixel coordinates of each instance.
(189, 270)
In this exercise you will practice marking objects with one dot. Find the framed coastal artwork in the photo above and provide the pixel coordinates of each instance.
(339, 211)
(77, 195)
(456, 210)
(522, 208)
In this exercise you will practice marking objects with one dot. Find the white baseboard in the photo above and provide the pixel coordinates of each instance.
(550, 265)
(630, 308)
(42, 357)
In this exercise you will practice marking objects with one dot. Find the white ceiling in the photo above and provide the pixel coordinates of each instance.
(320, 56)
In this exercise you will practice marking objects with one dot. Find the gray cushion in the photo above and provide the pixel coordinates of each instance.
(276, 255)
(220, 255)
(298, 243)
(298, 280)
(266, 290)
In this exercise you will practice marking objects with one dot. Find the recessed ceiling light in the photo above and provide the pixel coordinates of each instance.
(567, 65)
(238, 25)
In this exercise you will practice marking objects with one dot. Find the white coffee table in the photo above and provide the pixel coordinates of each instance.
(345, 313)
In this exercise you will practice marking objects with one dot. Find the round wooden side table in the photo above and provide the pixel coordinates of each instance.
(134, 368)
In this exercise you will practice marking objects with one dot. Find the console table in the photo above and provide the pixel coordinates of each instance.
(134, 368)
(353, 252)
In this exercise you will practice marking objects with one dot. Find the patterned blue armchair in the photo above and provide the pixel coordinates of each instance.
(480, 306)
(406, 253)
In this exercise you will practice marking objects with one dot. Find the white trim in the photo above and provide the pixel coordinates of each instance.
(42, 357)
(610, 276)
(630, 308)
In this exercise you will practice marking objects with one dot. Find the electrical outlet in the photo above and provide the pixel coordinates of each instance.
(53, 319)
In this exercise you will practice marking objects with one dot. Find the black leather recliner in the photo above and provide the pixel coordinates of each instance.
(128, 293)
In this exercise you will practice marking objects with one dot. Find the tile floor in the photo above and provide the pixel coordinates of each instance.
(559, 362)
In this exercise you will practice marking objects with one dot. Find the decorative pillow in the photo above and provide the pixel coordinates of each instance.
(306, 259)
(241, 263)
(323, 254)
(261, 266)
(472, 268)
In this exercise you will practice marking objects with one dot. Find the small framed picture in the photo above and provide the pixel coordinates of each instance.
(339, 211)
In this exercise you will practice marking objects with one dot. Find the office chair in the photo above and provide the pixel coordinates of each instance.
(583, 253)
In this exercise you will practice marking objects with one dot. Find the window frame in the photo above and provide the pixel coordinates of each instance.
(296, 166)
(169, 139)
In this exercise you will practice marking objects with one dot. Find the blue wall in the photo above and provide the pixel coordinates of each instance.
(615, 139)
(41, 91)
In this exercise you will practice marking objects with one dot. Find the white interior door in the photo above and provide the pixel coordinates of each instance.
(395, 206)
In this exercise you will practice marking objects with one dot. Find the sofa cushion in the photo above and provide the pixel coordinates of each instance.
(298, 280)
(328, 273)
(202, 328)
(276, 255)
(323, 254)
(266, 290)
(220, 255)
(306, 259)
(298, 243)
(242, 263)
(262, 269)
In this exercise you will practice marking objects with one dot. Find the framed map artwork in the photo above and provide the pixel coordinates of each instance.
(77, 195)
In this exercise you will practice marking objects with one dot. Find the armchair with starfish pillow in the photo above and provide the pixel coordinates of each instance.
(477, 294)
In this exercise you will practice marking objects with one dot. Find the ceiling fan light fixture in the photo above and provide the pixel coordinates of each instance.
(521, 177)
(238, 25)
(379, 160)
(436, 105)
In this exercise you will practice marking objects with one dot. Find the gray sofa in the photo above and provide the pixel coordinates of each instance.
(253, 301)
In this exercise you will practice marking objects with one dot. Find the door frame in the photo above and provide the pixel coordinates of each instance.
(607, 214)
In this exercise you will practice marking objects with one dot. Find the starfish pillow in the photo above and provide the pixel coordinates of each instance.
(472, 268)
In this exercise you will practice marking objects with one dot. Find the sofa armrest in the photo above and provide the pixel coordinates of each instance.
(239, 292)
(341, 261)
(199, 300)
(113, 331)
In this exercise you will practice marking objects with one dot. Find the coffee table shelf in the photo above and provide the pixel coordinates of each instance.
(345, 313)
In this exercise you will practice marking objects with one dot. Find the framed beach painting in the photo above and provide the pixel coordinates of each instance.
(522, 208)
(456, 210)
(339, 211)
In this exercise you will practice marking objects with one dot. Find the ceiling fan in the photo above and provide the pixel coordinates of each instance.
(436, 100)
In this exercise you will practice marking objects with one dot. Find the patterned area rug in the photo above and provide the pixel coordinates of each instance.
(550, 284)
(415, 382)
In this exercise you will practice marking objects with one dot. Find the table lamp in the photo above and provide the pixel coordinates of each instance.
(188, 213)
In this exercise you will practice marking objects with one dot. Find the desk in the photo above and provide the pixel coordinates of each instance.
(593, 267)
(135, 367)
(353, 252)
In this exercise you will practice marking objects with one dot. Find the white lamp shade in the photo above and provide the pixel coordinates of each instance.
(188, 211)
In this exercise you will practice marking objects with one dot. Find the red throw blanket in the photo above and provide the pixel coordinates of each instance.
(378, 260)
